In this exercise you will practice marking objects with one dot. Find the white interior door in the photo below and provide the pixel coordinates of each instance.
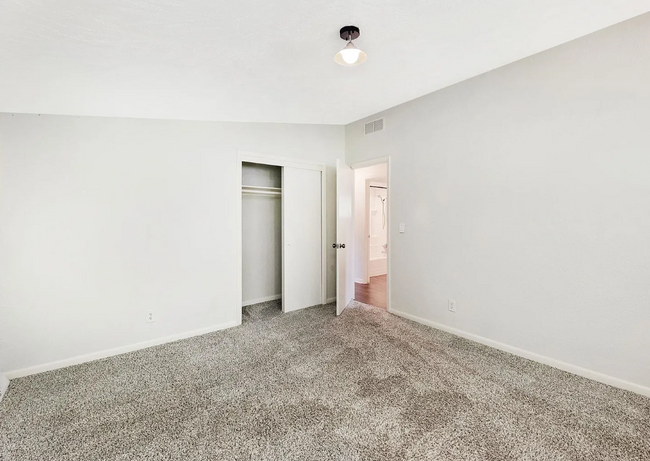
(344, 196)
(301, 238)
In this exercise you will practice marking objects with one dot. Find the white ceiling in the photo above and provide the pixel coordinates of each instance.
(264, 60)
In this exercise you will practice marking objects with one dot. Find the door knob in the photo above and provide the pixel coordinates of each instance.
(338, 245)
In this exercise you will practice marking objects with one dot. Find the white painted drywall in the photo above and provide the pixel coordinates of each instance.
(379, 173)
(526, 196)
(103, 219)
(261, 235)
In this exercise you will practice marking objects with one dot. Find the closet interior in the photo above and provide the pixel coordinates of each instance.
(282, 236)
(262, 235)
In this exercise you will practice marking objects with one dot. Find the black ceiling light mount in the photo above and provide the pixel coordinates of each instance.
(350, 33)
(350, 55)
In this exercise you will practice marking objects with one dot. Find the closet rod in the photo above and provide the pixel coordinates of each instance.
(261, 188)
(262, 192)
(379, 187)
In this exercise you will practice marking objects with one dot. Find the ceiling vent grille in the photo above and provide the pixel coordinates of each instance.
(373, 127)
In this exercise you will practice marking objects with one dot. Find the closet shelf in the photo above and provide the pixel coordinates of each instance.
(258, 190)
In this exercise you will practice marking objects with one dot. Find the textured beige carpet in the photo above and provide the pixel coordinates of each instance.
(310, 386)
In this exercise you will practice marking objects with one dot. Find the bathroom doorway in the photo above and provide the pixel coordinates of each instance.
(371, 230)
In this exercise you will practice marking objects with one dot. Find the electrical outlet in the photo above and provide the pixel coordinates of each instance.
(150, 317)
(451, 305)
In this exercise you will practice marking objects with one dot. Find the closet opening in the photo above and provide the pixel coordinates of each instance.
(281, 231)
(261, 239)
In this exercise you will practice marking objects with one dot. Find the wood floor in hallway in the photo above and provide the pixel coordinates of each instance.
(373, 293)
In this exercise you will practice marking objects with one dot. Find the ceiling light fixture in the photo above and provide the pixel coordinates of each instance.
(350, 55)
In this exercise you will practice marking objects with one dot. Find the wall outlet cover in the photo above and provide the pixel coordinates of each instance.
(451, 304)
(150, 317)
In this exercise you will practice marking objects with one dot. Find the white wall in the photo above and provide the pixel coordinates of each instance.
(103, 219)
(261, 235)
(526, 196)
(378, 172)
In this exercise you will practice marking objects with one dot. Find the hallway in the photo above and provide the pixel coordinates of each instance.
(373, 293)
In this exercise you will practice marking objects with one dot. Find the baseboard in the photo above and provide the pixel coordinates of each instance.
(4, 384)
(330, 300)
(576, 370)
(360, 281)
(116, 351)
(261, 300)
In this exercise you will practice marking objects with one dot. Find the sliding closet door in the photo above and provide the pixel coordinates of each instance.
(302, 240)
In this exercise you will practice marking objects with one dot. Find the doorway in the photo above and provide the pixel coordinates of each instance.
(370, 229)
(352, 231)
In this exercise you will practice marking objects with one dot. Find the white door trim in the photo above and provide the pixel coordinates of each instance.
(264, 159)
(373, 162)
(254, 157)
(366, 232)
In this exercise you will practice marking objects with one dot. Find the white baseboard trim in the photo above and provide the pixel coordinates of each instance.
(4, 384)
(330, 300)
(116, 351)
(261, 300)
(576, 370)
(360, 281)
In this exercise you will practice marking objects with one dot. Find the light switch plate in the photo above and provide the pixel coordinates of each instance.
(402, 228)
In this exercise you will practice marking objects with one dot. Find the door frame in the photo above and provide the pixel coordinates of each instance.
(264, 159)
(364, 164)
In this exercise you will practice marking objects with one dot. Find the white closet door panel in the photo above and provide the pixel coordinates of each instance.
(302, 240)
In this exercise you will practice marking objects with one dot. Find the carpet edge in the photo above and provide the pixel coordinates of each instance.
(564, 366)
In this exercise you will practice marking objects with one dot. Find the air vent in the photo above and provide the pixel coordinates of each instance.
(374, 126)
